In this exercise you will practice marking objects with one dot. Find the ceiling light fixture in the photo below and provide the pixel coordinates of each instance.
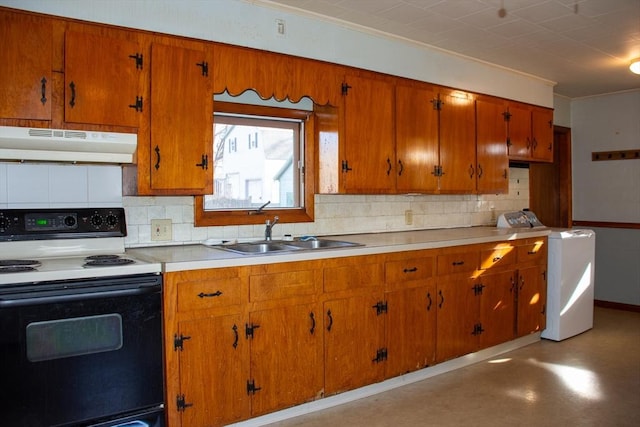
(635, 66)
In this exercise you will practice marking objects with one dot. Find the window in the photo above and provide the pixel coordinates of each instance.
(266, 174)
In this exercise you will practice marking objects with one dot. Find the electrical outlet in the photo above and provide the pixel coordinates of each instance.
(161, 229)
(408, 217)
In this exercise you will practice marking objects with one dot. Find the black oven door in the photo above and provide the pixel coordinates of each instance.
(82, 353)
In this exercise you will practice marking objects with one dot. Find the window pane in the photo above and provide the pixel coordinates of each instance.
(255, 162)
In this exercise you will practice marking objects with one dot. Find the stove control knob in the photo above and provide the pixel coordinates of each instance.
(70, 221)
(96, 220)
(112, 221)
(4, 223)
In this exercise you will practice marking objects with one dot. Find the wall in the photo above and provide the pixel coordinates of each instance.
(609, 190)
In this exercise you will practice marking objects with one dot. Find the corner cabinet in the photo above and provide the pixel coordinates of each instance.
(530, 131)
(181, 122)
(27, 63)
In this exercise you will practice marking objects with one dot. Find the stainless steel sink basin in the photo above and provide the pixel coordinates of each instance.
(279, 246)
(322, 244)
(258, 247)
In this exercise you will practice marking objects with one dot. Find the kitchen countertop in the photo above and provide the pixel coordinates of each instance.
(197, 256)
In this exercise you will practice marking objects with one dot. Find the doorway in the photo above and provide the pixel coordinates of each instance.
(550, 183)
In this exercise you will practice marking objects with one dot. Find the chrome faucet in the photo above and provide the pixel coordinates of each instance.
(269, 227)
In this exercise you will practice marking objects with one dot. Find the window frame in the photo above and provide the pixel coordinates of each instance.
(305, 213)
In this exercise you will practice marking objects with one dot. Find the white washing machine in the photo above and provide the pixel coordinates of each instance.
(570, 274)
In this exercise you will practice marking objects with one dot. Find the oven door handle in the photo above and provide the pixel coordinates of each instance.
(7, 301)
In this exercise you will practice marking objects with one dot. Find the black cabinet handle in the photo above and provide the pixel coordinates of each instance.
(72, 101)
(214, 294)
(479, 170)
(401, 167)
(157, 150)
(389, 166)
(43, 91)
(330, 320)
(457, 263)
(410, 270)
(441, 299)
(235, 332)
(430, 301)
(313, 323)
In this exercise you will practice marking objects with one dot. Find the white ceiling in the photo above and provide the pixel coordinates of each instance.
(583, 45)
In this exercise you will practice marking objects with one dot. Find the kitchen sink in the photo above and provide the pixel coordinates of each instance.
(278, 246)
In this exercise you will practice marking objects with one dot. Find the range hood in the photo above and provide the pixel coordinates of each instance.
(65, 145)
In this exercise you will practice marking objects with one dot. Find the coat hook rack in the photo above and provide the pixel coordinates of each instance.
(615, 155)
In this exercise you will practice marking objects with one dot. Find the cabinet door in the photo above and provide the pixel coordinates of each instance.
(497, 308)
(181, 120)
(354, 332)
(532, 300)
(411, 329)
(368, 147)
(456, 319)
(416, 138)
(102, 80)
(519, 131)
(542, 129)
(25, 74)
(286, 357)
(493, 162)
(214, 368)
(457, 143)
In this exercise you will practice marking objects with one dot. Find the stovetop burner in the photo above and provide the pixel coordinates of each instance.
(106, 261)
(18, 262)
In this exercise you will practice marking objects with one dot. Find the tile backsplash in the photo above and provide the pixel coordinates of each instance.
(334, 214)
(51, 185)
(56, 185)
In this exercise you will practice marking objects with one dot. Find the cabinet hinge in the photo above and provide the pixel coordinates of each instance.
(507, 116)
(181, 404)
(138, 58)
(251, 387)
(381, 355)
(248, 330)
(477, 289)
(204, 163)
(345, 88)
(437, 104)
(178, 341)
(477, 329)
(381, 307)
(205, 68)
(138, 105)
(345, 166)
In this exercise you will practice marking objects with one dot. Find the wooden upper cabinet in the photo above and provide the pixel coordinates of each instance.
(416, 138)
(25, 73)
(181, 120)
(457, 142)
(492, 168)
(542, 134)
(368, 155)
(530, 132)
(102, 80)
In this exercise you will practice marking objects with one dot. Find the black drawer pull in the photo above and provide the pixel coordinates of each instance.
(410, 270)
(457, 263)
(215, 294)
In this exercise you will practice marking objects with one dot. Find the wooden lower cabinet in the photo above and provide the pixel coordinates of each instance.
(213, 372)
(245, 341)
(354, 340)
(286, 357)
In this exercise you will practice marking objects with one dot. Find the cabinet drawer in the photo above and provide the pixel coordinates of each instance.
(498, 256)
(457, 262)
(353, 276)
(206, 294)
(535, 251)
(407, 270)
(287, 284)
